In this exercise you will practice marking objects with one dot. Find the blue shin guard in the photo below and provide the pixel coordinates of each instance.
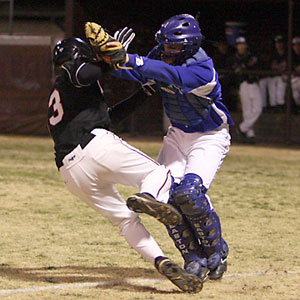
(189, 196)
(188, 245)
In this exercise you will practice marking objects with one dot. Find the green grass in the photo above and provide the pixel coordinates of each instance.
(48, 236)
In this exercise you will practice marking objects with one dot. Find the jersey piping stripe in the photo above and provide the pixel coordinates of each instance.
(76, 75)
(100, 87)
(168, 174)
(220, 113)
(204, 90)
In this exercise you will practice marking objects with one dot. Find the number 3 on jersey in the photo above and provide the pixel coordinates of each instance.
(58, 110)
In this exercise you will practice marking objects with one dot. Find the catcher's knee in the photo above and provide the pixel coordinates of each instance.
(190, 196)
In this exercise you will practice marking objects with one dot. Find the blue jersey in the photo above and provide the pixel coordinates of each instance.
(191, 92)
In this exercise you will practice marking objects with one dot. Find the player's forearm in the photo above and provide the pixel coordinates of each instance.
(91, 72)
(154, 69)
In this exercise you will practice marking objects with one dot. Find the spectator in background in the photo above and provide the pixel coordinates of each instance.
(277, 84)
(249, 90)
(296, 71)
(222, 54)
(222, 57)
(265, 78)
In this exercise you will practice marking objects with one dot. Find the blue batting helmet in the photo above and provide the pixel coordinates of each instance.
(181, 30)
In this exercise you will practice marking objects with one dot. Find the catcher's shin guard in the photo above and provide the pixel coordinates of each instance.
(144, 203)
(185, 241)
(190, 196)
(218, 272)
(187, 282)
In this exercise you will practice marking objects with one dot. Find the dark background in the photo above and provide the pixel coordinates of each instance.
(264, 19)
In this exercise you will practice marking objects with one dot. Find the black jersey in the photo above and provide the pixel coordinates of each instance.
(74, 109)
(245, 62)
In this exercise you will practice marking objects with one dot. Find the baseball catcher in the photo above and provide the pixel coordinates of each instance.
(196, 143)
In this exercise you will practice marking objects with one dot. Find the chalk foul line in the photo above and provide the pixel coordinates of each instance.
(129, 281)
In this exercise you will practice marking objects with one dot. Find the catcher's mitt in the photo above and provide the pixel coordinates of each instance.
(114, 54)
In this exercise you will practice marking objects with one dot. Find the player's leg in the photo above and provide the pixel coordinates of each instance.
(105, 199)
(257, 102)
(188, 245)
(263, 85)
(196, 206)
(172, 154)
(272, 87)
(246, 105)
(280, 91)
(127, 165)
(252, 108)
(296, 89)
(206, 157)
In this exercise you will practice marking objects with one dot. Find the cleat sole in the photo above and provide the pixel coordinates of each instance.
(164, 213)
(185, 281)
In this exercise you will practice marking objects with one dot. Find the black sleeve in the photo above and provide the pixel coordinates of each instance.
(92, 72)
(123, 109)
(84, 73)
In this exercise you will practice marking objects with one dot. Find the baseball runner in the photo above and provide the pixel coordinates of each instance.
(91, 159)
(197, 140)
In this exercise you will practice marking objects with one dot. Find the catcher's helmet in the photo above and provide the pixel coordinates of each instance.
(70, 49)
(181, 30)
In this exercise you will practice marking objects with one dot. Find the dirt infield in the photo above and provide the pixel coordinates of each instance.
(55, 247)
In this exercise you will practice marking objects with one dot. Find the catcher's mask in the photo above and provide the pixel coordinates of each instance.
(180, 30)
(70, 49)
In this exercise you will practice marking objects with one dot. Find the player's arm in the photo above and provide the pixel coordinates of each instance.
(84, 73)
(92, 72)
(187, 77)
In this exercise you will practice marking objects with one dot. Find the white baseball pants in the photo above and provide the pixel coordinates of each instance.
(296, 89)
(276, 88)
(91, 174)
(251, 101)
(198, 153)
(264, 86)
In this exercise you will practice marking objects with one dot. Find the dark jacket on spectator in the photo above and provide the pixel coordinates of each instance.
(246, 62)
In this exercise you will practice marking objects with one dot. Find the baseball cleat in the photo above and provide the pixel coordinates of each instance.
(144, 203)
(196, 268)
(187, 282)
(219, 271)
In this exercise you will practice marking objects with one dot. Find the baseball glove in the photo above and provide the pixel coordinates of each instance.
(114, 54)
